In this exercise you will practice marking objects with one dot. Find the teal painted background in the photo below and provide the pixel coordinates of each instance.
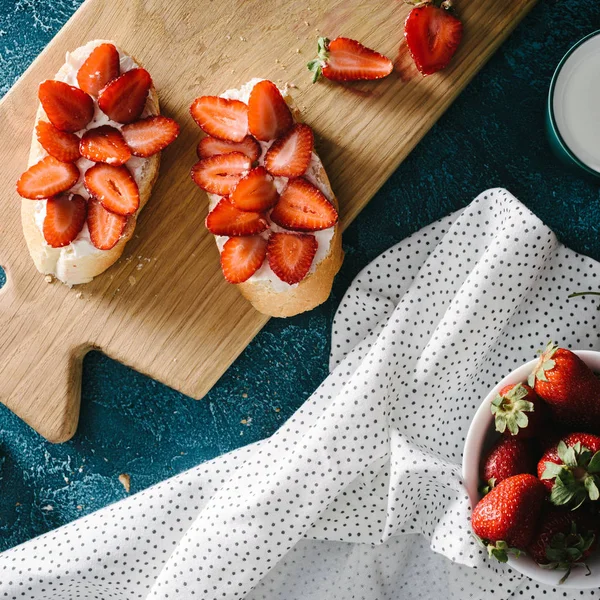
(493, 135)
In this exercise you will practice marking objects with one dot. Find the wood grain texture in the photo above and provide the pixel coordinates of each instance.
(175, 318)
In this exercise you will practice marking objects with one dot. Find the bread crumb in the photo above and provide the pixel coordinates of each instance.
(140, 266)
(242, 38)
(131, 280)
(79, 295)
(297, 50)
(48, 507)
(227, 37)
(49, 279)
(307, 23)
(292, 85)
(125, 481)
(244, 395)
(79, 507)
(17, 504)
(277, 410)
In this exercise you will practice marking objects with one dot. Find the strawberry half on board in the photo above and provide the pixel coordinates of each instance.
(433, 33)
(569, 387)
(505, 520)
(344, 59)
(571, 470)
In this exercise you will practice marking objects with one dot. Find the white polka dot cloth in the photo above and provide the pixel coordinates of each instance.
(358, 495)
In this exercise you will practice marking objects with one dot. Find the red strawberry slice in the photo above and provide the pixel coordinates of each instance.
(226, 219)
(106, 228)
(290, 255)
(100, 68)
(256, 191)
(269, 117)
(220, 117)
(151, 135)
(432, 34)
(68, 108)
(64, 219)
(124, 98)
(47, 178)
(220, 174)
(302, 207)
(344, 59)
(289, 156)
(62, 145)
(104, 144)
(210, 146)
(242, 257)
(114, 186)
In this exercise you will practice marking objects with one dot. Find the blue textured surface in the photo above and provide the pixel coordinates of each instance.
(492, 136)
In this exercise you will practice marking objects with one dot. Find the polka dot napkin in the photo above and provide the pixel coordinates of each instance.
(359, 495)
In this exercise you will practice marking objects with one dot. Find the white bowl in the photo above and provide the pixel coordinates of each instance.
(481, 435)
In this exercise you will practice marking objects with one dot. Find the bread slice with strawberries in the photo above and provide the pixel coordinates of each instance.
(271, 206)
(93, 161)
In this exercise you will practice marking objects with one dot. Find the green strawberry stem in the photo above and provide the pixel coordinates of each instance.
(316, 66)
(577, 479)
(544, 363)
(510, 411)
(498, 550)
(577, 294)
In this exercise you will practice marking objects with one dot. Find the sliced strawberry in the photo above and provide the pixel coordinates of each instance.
(290, 255)
(151, 135)
(432, 36)
(242, 257)
(124, 98)
(302, 207)
(68, 108)
(114, 186)
(226, 219)
(344, 59)
(256, 191)
(269, 117)
(64, 219)
(99, 68)
(62, 145)
(47, 178)
(289, 156)
(106, 228)
(220, 117)
(210, 146)
(220, 174)
(104, 144)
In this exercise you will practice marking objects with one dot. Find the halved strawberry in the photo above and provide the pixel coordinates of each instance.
(432, 35)
(114, 186)
(221, 117)
(104, 144)
(47, 178)
(99, 68)
(226, 219)
(289, 156)
(68, 108)
(124, 98)
(64, 219)
(106, 228)
(150, 135)
(269, 117)
(210, 146)
(290, 255)
(62, 145)
(220, 174)
(302, 207)
(242, 257)
(344, 59)
(256, 191)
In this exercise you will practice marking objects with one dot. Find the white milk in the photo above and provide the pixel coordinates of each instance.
(577, 102)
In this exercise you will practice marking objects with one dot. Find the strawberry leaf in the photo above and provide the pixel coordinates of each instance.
(594, 464)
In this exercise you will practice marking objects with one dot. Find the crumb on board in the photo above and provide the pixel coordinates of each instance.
(49, 279)
(131, 280)
(125, 481)
(79, 295)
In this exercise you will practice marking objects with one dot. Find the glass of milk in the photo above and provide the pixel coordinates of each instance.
(573, 115)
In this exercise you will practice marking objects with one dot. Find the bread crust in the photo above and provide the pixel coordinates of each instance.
(75, 269)
(315, 288)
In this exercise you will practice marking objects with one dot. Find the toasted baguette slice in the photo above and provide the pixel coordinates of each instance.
(274, 297)
(80, 262)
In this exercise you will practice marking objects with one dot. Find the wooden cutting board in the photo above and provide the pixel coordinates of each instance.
(164, 308)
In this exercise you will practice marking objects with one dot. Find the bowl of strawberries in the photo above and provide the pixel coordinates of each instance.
(531, 466)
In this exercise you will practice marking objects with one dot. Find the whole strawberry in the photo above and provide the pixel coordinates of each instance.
(564, 540)
(506, 519)
(571, 470)
(569, 387)
(508, 456)
(518, 411)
